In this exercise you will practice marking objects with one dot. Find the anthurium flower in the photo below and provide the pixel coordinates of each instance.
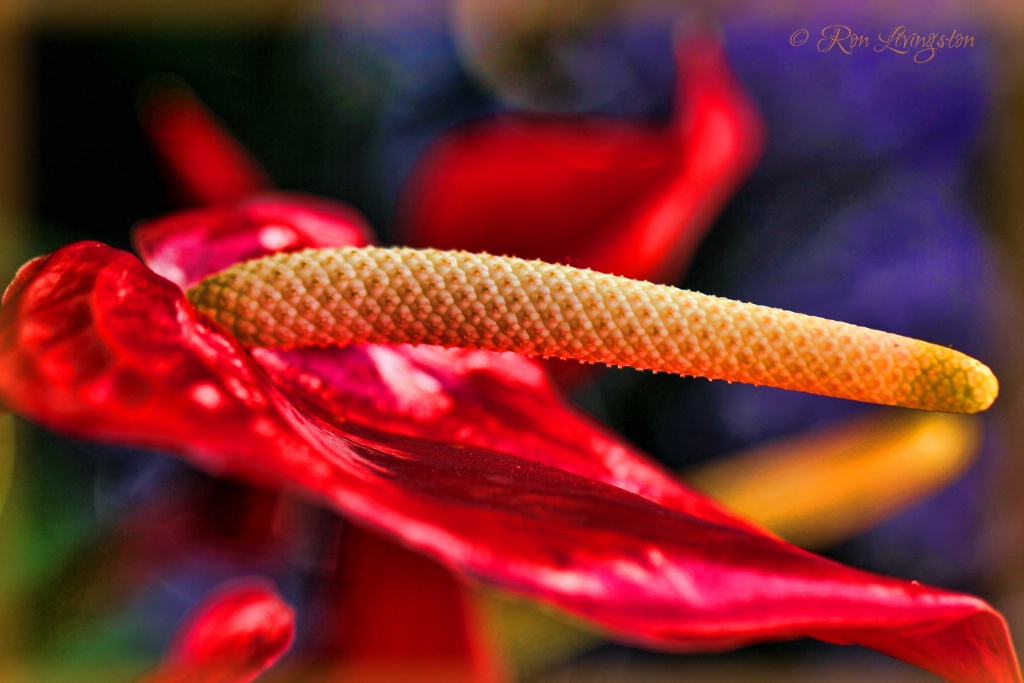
(467, 456)
(232, 636)
(619, 197)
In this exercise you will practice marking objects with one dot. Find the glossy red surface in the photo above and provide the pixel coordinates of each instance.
(467, 457)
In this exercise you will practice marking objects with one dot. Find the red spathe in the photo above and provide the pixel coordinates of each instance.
(468, 457)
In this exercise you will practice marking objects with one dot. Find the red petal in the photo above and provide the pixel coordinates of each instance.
(24, 274)
(235, 634)
(500, 402)
(640, 196)
(402, 613)
(186, 247)
(720, 136)
(96, 346)
(206, 164)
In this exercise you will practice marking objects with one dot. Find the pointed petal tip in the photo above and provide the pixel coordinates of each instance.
(244, 622)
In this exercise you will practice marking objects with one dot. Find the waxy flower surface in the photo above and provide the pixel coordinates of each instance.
(467, 456)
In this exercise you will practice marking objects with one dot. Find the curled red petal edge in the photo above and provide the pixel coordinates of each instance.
(235, 633)
(187, 246)
(96, 346)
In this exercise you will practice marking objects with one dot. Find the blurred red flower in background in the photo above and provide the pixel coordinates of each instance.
(615, 196)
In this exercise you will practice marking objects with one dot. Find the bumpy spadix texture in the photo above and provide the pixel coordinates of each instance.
(353, 295)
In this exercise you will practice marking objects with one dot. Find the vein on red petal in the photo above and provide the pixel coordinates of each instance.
(500, 402)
